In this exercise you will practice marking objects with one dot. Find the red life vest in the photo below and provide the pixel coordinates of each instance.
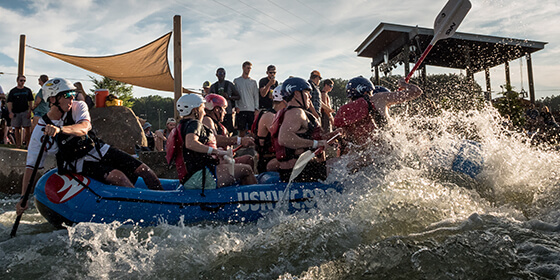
(313, 132)
(359, 119)
(174, 152)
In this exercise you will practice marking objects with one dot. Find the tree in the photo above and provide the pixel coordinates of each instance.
(154, 108)
(510, 104)
(121, 90)
(452, 91)
(338, 93)
(553, 102)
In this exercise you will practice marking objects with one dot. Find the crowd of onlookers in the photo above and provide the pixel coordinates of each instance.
(246, 97)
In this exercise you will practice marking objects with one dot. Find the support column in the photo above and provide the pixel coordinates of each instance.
(406, 58)
(376, 80)
(424, 75)
(21, 59)
(488, 95)
(508, 78)
(177, 62)
(531, 80)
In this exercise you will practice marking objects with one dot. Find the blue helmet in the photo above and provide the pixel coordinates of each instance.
(380, 89)
(293, 84)
(358, 87)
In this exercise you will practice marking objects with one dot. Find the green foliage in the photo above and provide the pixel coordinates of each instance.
(452, 91)
(510, 105)
(553, 102)
(121, 90)
(154, 108)
(338, 93)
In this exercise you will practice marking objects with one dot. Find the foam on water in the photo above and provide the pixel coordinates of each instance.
(404, 215)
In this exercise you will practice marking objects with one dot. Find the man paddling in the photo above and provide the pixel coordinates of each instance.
(296, 130)
(68, 121)
(368, 109)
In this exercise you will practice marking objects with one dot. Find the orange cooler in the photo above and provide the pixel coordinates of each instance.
(100, 97)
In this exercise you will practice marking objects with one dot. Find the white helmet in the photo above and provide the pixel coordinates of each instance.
(276, 93)
(55, 86)
(187, 102)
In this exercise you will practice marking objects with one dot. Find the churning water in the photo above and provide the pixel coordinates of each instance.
(404, 215)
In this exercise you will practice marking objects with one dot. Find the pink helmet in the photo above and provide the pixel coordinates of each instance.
(213, 100)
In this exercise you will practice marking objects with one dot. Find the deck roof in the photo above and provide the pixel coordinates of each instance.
(461, 51)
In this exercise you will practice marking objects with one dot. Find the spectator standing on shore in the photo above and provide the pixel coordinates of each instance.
(150, 137)
(81, 95)
(161, 134)
(20, 102)
(228, 90)
(266, 87)
(205, 88)
(248, 104)
(326, 109)
(40, 107)
(4, 118)
(314, 80)
(5, 123)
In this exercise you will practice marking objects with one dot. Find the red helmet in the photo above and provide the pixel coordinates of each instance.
(213, 100)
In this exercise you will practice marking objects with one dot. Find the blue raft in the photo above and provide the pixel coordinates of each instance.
(74, 198)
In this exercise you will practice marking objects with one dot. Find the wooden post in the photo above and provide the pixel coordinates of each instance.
(177, 65)
(488, 86)
(531, 80)
(21, 60)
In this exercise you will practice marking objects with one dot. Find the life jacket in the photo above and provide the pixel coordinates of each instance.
(313, 132)
(359, 118)
(174, 152)
(268, 147)
(72, 148)
(220, 129)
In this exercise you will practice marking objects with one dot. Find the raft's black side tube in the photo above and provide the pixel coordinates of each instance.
(52, 217)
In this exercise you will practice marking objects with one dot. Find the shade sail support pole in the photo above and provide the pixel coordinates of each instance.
(177, 65)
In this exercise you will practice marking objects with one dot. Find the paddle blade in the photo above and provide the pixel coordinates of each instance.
(301, 162)
(231, 165)
(449, 18)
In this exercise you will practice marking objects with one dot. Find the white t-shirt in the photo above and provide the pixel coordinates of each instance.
(249, 94)
(80, 113)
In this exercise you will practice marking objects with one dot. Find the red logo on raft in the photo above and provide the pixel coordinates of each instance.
(61, 188)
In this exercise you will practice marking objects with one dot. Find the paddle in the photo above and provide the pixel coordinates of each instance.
(30, 184)
(302, 161)
(446, 23)
(231, 161)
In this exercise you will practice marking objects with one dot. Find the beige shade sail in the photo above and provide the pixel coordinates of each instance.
(145, 67)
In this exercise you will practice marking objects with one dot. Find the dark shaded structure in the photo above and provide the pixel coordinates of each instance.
(392, 44)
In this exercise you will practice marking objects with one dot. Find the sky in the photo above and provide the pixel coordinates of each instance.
(297, 36)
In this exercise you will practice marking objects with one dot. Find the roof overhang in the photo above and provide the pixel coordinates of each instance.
(461, 51)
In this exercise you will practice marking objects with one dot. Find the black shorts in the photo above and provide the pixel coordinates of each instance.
(113, 159)
(244, 120)
(313, 172)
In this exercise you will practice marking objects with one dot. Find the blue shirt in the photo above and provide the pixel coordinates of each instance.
(43, 106)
